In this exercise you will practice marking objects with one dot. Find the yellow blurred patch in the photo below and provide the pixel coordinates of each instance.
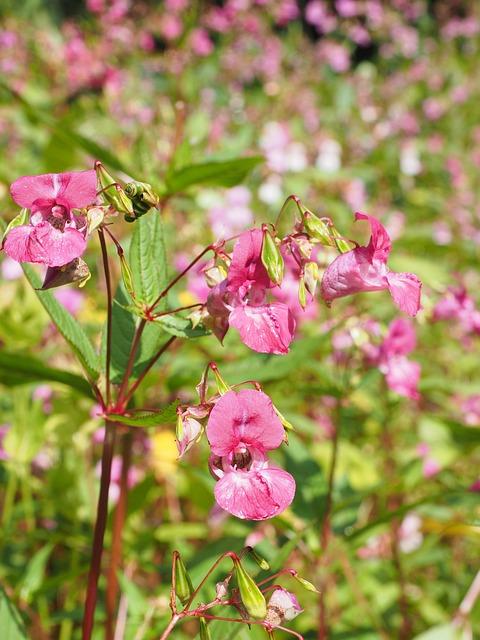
(186, 298)
(164, 454)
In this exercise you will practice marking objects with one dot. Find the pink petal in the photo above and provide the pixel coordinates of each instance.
(30, 189)
(405, 289)
(353, 272)
(380, 244)
(246, 265)
(268, 328)
(21, 245)
(255, 494)
(247, 417)
(44, 244)
(78, 189)
(71, 189)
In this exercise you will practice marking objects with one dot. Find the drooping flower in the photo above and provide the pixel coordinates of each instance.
(240, 300)
(241, 428)
(365, 269)
(54, 235)
(283, 605)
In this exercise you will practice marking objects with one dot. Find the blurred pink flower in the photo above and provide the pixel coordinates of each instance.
(11, 270)
(233, 215)
(242, 427)
(72, 299)
(365, 269)
(200, 42)
(430, 467)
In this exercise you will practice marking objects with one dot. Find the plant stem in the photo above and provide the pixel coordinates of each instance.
(106, 268)
(116, 549)
(180, 276)
(141, 377)
(327, 528)
(99, 533)
(170, 627)
(121, 403)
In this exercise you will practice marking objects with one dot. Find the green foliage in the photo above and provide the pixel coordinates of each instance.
(222, 173)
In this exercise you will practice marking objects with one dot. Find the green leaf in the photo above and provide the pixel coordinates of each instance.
(19, 368)
(123, 329)
(226, 173)
(148, 418)
(66, 325)
(33, 578)
(10, 622)
(148, 261)
(181, 327)
(441, 632)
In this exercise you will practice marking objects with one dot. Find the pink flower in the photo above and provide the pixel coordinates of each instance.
(233, 214)
(430, 468)
(365, 269)
(54, 235)
(241, 428)
(400, 340)
(240, 301)
(402, 376)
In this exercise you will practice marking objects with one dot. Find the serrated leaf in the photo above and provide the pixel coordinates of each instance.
(11, 623)
(22, 369)
(226, 173)
(66, 324)
(148, 262)
(148, 418)
(181, 327)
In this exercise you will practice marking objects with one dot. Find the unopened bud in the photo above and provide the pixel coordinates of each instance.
(286, 424)
(250, 595)
(305, 583)
(188, 432)
(317, 228)
(342, 245)
(222, 386)
(221, 589)
(113, 193)
(142, 196)
(215, 275)
(95, 217)
(310, 275)
(302, 293)
(183, 584)
(262, 563)
(272, 258)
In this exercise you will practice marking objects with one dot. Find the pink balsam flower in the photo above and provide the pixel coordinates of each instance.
(240, 300)
(283, 605)
(54, 235)
(401, 374)
(241, 428)
(365, 269)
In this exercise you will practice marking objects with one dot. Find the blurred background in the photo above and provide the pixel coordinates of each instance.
(351, 105)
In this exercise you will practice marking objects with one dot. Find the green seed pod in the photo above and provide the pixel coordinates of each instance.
(311, 277)
(306, 584)
(112, 192)
(272, 259)
(317, 228)
(250, 595)
(302, 293)
(127, 276)
(204, 630)
(183, 584)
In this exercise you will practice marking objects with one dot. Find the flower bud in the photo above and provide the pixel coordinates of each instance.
(142, 196)
(113, 193)
(317, 228)
(216, 274)
(95, 217)
(221, 589)
(188, 432)
(272, 258)
(306, 584)
(342, 245)
(183, 584)
(283, 605)
(302, 293)
(286, 424)
(250, 595)
(262, 563)
(222, 386)
(310, 276)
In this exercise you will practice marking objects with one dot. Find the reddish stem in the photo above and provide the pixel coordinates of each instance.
(99, 533)
(108, 283)
(140, 378)
(116, 550)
